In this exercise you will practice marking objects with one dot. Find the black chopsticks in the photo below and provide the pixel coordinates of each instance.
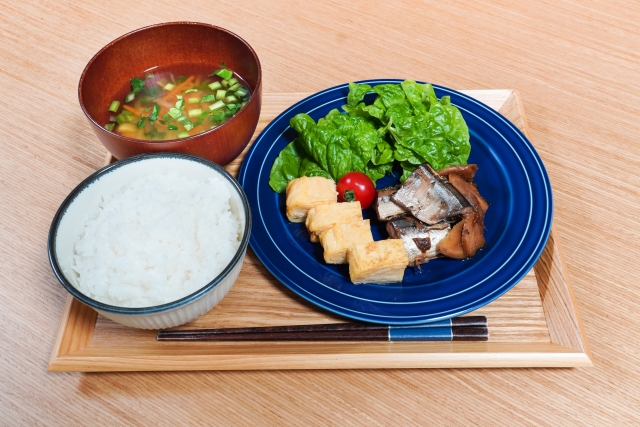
(466, 328)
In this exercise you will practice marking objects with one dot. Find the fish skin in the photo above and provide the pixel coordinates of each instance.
(414, 234)
(430, 198)
(385, 207)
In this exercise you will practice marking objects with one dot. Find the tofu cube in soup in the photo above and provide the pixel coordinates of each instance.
(339, 238)
(305, 193)
(323, 217)
(383, 261)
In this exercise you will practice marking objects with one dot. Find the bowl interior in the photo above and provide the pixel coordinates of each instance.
(185, 43)
(85, 204)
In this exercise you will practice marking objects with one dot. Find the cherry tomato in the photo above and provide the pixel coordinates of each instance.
(356, 186)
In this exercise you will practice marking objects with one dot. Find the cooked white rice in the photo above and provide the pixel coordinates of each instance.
(156, 240)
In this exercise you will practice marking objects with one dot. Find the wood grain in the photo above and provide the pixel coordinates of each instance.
(575, 65)
(559, 307)
(520, 318)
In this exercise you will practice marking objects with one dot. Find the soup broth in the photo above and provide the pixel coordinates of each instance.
(178, 101)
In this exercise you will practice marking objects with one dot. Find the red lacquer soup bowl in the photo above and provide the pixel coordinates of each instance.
(182, 48)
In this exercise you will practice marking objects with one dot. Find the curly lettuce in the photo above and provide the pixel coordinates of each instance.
(406, 123)
(423, 129)
(334, 146)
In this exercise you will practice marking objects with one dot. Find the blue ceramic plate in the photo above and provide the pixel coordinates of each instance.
(511, 177)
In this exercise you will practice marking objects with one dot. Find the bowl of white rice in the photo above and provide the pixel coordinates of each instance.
(152, 241)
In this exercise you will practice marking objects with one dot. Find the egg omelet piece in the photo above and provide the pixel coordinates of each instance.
(339, 238)
(323, 217)
(383, 261)
(305, 193)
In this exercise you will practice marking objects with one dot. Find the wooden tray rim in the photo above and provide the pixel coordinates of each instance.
(568, 347)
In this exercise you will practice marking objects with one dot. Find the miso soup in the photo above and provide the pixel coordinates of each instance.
(169, 103)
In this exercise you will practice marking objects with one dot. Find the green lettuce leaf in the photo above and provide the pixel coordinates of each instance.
(310, 168)
(342, 143)
(405, 123)
(286, 167)
(357, 93)
(293, 162)
(391, 94)
(435, 132)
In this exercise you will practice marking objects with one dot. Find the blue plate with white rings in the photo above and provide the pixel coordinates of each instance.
(510, 176)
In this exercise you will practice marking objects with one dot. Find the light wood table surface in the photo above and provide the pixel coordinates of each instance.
(576, 65)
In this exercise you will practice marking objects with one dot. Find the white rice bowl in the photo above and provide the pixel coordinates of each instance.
(157, 239)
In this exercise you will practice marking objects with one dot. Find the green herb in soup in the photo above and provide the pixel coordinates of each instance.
(161, 106)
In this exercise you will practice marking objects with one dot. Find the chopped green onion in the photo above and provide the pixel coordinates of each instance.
(231, 99)
(182, 134)
(215, 86)
(217, 117)
(180, 104)
(216, 105)
(232, 81)
(223, 73)
(130, 97)
(242, 92)
(172, 127)
(190, 90)
(195, 112)
(208, 98)
(114, 106)
(221, 94)
(169, 86)
(194, 100)
(175, 113)
(125, 116)
(235, 87)
(232, 109)
(179, 96)
(225, 83)
(109, 126)
(140, 122)
(203, 116)
(185, 122)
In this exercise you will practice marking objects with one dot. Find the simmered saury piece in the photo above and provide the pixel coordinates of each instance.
(430, 198)
(385, 207)
(420, 240)
(466, 172)
(451, 245)
(469, 191)
(467, 236)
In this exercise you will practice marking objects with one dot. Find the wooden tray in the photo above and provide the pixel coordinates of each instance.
(535, 324)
